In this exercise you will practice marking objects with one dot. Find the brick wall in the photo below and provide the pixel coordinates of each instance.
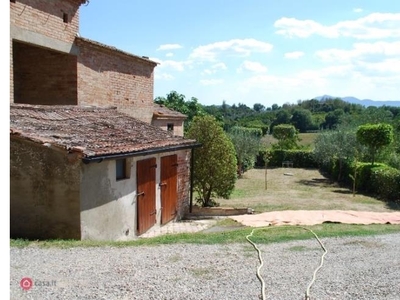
(46, 17)
(183, 183)
(43, 76)
(108, 77)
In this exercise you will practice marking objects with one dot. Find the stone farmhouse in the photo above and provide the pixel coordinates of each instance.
(91, 155)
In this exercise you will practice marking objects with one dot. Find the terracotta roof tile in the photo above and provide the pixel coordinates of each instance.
(91, 130)
(161, 111)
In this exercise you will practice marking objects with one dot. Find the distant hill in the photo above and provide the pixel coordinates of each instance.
(364, 102)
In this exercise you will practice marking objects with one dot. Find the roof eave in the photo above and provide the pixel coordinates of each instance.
(100, 158)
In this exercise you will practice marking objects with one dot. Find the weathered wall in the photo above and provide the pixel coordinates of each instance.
(162, 123)
(108, 206)
(107, 77)
(43, 76)
(44, 192)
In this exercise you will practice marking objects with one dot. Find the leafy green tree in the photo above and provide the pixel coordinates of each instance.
(258, 107)
(215, 162)
(302, 119)
(375, 137)
(287, 137)
(335, 145)
(332, 119)
(177, 102)
(282, 117)
(247, 145)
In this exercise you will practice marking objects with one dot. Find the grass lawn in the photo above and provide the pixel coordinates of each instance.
(296, 189)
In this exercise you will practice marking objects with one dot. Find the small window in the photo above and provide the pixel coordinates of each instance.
(65, 18)
(170, 127)
(12, 1)
(122, 170)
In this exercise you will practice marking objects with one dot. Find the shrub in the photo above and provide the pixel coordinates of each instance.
(300, 158)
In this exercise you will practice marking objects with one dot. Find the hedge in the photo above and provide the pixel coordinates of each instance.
(300, 158)
(378, 179)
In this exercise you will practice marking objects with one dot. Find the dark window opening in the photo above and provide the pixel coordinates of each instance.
(65, 18)
(170, 127)
(122, 170)
(12, 1)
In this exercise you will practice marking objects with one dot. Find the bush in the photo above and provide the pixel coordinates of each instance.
(300, 158)
(386, 182)
(380, 179)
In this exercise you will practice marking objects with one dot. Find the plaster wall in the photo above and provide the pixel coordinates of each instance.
(108, 206)
(163, 124)
(44, 192)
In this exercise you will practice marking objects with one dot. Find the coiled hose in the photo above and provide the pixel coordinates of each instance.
(307, 293)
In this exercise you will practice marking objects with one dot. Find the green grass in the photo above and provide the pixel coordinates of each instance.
(263, 236)
(307, 139)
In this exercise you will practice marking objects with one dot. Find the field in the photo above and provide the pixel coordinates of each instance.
(296, 189)
(306, 140)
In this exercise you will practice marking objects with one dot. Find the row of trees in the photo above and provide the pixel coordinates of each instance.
(307, 115)
(229, 147)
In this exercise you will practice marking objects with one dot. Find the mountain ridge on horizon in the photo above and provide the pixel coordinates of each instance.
(364, 102)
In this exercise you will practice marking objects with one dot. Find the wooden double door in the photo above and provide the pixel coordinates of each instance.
(146, 191)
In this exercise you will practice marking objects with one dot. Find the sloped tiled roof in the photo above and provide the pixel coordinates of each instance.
(160, 111)
(93, 131)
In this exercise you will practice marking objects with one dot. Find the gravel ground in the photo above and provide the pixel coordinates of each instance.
(354, 268)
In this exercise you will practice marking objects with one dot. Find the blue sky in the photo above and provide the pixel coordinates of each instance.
(257, 51)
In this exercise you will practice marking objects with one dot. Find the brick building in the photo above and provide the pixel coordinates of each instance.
(55, 75)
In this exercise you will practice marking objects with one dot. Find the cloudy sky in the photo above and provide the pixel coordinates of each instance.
(257, 51)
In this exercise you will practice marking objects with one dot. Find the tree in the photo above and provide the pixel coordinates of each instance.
(286, 135)
(335, 145)
(258, 107)
(247, 145)
(375, 137)
(332, 119)
(282, 117)
(302, 119)
(215, 162)
(177, 102)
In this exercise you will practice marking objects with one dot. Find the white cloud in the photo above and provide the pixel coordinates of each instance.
(358, 10)
(163, 76)
(169, 54)
(294, 54)
(214, 68)
(360, 51)
(236, 47)
(252, 66)
(172, 64)
(168, 47)
(372, 26)
(211, 81)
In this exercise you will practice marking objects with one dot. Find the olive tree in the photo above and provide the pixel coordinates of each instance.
(214, 173)
(335, 145)
(375, 137)
(247, 142)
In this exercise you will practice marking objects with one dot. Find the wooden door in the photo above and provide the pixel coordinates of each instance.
(168, 185)
(146, 194)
